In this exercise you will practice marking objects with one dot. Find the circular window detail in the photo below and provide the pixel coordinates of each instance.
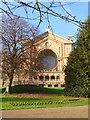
(47, 44)
(47, 60)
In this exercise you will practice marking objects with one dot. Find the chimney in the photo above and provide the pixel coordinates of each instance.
(70, 37)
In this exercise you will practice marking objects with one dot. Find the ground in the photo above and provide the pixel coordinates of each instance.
(42, 103)
(60, 112)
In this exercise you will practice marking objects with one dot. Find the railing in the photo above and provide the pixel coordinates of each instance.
(48, 71)
(35, 82)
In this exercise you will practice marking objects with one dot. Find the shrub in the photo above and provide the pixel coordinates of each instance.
(77, 71)
(2, 89)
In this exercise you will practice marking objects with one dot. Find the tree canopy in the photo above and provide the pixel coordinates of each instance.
(15, 31)
(77, 71)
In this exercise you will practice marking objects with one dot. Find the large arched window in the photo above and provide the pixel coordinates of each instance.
(47, 60)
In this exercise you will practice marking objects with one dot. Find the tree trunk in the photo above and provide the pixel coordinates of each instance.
(29, 74)
(9, 83)
(11, 79)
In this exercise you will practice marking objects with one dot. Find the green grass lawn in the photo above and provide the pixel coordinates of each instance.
(55, 98)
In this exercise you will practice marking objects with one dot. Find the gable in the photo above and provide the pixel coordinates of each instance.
(51, 36)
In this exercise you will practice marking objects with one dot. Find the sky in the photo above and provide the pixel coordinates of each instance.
(59, 26)
(62, 28)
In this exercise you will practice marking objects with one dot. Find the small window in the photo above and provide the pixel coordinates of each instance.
(40, 77)
(62, 85)
(59, 50)
(49, 85)
(42, 85)
(57, 78)
(35, 77)
(67, 50)
(46, 77)
(52, 77)
(56, 85)
(47, 44)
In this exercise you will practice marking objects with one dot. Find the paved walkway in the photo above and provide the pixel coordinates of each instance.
(59, 112)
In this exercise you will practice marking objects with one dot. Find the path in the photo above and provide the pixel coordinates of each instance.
(59, 112)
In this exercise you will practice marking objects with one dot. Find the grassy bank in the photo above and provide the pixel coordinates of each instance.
(14, 102)
(45, 97)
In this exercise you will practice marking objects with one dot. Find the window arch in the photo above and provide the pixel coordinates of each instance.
(35, 77)
(40, 77)
(57, 77)
(52, 77)
(67, 50)
(47, 77)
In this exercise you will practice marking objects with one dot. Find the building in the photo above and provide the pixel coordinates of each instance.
(49, 60)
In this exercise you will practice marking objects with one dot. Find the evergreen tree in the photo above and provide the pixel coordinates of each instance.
(77, 71)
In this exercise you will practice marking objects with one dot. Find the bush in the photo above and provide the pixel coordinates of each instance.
(35, 89)
(77, 71)
(2, 89)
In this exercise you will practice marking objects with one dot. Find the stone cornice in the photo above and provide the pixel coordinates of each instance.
(52, 36)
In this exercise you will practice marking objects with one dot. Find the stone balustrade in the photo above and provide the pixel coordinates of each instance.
(38, 82)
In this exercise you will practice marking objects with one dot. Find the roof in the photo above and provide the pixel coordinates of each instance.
(47, 34)
(55, 36)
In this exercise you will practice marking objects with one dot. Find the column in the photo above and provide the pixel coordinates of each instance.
(59, 85)
(49, 77)
(44, 77)
(59, 64)
(53, 85)
(38, 77)
(55, 77)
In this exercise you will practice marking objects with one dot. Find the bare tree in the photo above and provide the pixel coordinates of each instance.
(42, 11)
(30, 53)
(14, 33)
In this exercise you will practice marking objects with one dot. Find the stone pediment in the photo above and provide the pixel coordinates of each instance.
(53, 37)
